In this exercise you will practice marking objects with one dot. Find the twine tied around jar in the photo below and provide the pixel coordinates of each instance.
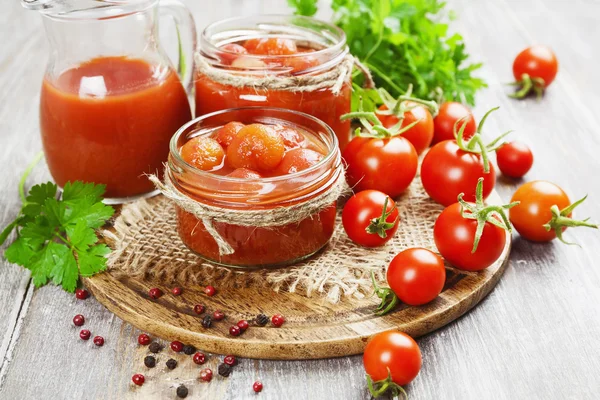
(332, 79)
(278, 216)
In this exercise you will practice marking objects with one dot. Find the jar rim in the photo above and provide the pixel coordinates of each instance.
(90, 10)
(333, 146)
(336, 50)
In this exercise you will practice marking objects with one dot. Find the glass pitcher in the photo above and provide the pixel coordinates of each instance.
(110, 98)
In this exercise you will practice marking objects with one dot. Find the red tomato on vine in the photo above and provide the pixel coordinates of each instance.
(370, 218)
(534, 70)
(445, 123)
(544, 212)
(391, 359)
(471, 236)
(453, 167)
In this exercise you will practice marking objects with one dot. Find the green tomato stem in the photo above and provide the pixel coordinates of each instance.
(560, 220)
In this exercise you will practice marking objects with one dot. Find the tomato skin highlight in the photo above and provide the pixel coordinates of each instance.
(421, 134)
(533, 212)
(514, 159)
(444, 122)
(538, 62)
(448, 171)
(395, 351)
(360, 210)
(454, 236)
(416, 276)
(388, 165)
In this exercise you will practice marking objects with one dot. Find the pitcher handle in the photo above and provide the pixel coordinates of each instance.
(186, 35)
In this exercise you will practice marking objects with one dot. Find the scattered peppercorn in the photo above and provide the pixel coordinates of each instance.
(143, 339)
(176, 346)
(218, 315)
(210, 290)
(235, 331)
(207, 321)
(155, 293)
(199, 358)
(230, 360)
(277, 320)
(182, 392)
(176, 291)
(155, 347)
(82, 294)
(171, 363)
(257, 387)
(150, 361)
(78, 320)
(138, 379)
(85, 334)
(206, 375)
(99, 341)
(243, 325)
(261, 320)
(199, 309)
(224, 370)
(188, 349)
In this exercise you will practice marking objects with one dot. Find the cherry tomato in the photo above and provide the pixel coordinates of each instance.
(227, 132)
(244, 173)
(250, 63)
(454, 236)
(291, 137)
(421, 134)
(256, 147)
(203, 153)
(445, 121)
(416, 276)
(360, 212)
(533, 212)
(392, 353)
(537, 62)
(271, 46)
(297, 160)
(231, 51)
(514, 159)
(448, 171)
(388, 165)
(298, 64)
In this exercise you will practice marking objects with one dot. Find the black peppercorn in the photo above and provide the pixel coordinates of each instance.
(150, 361)
(171, 363)
(261, 320)
(182, 392)
(224, 370)
(189, 349)
(155, 347)
(207, 321)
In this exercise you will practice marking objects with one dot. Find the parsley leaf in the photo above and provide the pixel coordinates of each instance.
(406, 42)
(56, 239)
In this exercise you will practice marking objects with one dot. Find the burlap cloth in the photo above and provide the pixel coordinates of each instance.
(145, 244)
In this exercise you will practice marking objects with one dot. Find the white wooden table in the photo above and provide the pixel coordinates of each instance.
(537, 336)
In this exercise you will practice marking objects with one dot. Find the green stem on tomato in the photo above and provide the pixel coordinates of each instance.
(560, 220)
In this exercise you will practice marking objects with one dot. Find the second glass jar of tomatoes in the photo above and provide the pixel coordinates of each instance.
(291, 62)
(255, 186)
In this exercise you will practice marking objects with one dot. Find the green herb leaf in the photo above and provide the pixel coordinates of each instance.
(406, 42)
(56, 239)
(304, 7)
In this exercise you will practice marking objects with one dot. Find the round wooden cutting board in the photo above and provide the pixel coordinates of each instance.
(314, 327)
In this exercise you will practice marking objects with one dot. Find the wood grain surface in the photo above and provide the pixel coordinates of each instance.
(314, 328)
(536, 336)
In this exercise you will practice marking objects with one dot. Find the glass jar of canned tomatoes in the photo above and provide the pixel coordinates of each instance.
(291, 62)
(255, 186)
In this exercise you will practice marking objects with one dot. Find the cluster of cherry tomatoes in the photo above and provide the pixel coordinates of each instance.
(278, 49)
(253, 151)
(456, 172)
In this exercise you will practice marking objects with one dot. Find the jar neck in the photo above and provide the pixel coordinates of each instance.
(326, 42)
(76, 40)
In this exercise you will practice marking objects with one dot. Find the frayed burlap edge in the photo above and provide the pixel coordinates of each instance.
(146, 245)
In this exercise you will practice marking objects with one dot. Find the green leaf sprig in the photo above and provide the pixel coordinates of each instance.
(56, 238)
(406, 42)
